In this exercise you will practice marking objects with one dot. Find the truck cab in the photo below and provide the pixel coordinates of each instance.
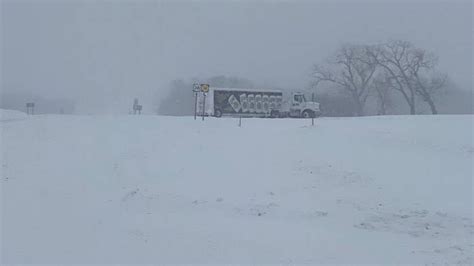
(299, 107)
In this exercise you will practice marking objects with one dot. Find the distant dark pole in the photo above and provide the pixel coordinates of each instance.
(204, 107)
(135, 106)
(195, 104)
(30, 108)
(240, 121)
(312, 116)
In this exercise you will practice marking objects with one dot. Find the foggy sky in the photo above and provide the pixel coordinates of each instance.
(103, 54)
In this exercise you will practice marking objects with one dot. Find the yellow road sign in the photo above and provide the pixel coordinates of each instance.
(204, 87)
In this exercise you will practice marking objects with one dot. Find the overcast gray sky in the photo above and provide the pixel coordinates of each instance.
(105, 53)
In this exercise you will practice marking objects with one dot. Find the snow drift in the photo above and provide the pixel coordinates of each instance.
(11, 115)
(148, 189)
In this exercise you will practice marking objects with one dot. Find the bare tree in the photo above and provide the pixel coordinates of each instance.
(427, 83)
(352, 69)
(427, 88)
(382, 88)
(407, 66)
(395, 59)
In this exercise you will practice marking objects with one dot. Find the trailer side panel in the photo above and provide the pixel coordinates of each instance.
(246, 103)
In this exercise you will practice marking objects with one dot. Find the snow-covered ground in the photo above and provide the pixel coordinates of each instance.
(11, 115)
(150, 189)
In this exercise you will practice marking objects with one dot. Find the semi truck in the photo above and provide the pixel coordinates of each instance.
(219, 102)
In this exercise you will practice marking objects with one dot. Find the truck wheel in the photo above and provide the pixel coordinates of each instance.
(274, 114)
(217, 113)
(307, 114)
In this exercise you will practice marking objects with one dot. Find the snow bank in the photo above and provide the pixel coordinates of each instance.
(148, 189)
(11, 115)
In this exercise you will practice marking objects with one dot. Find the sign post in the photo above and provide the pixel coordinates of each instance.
(195, 104)
(204, 106)
(204, 90)
(196, 90)
(30, 108)
(137, 108)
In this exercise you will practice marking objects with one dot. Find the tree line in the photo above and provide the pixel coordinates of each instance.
(399, 66)
(386, 78)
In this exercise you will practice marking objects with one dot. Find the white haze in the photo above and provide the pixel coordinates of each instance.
(103, 54)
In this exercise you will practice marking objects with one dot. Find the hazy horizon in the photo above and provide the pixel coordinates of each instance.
(103, 54)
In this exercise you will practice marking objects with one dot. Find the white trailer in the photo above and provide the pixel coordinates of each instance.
(255, 103)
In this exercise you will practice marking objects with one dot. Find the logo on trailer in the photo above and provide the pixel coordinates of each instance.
(234, 103)
(239, 101)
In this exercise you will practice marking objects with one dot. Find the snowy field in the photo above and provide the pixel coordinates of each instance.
(150, 189)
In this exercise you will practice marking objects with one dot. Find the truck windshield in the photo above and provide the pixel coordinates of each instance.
(300, 98)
